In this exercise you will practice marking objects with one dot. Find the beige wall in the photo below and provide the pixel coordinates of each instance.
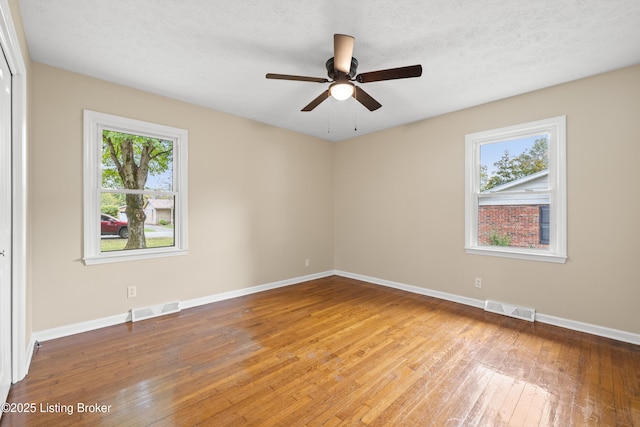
(260, 203)
(400, 205)
(263, 199)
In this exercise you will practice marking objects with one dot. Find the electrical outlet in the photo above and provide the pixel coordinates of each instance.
(478, 282)
(307, 262)
(132, 292)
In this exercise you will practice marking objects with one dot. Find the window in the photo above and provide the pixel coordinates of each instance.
(544, 224)
(515, 196)
(135, 189)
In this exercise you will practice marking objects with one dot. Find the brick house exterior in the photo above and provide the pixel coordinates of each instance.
(520, 220)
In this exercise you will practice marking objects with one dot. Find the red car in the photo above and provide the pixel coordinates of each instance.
(110, 225)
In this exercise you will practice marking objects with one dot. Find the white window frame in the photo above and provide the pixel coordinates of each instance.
(557, 192)
(94, 124)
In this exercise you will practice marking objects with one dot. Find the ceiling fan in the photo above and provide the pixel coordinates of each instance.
(341, 69)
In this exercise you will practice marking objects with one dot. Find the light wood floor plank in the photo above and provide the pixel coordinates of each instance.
(333, 352)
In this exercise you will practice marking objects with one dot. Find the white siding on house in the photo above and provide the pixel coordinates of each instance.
(532, 183)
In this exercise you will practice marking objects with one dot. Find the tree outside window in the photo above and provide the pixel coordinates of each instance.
(128, 161)
(135, 189)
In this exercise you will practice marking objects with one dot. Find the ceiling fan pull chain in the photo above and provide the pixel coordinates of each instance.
(355, 120)
(355, 117)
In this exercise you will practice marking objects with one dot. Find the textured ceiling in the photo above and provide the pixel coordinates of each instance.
(216, 53)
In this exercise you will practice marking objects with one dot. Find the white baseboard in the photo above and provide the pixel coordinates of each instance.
(601, 331)
(76, 328)
(252, 290)
(575, 325)
(27, 357)
(413, 289)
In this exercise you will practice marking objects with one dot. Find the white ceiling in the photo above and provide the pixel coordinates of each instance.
(216, 53)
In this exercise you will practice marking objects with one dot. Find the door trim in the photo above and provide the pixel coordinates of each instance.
(21, 355)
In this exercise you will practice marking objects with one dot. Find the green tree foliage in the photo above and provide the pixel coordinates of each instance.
(498, 239)
(127, 162)
(115, 199)
(111, 202)
(510, 168)
(112, 210)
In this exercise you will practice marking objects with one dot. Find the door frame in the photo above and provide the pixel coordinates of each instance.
(21, 354)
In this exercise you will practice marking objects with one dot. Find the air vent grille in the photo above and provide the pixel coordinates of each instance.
(524, 313)
(154, 311)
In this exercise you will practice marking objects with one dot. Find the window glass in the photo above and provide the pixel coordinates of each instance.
(515, 194)
(135, 189)
(507, 161)
(512, 173)
(140, 168)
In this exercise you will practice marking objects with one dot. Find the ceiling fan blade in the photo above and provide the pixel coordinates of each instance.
(390, 74)
(313, 104)
(365, 99)
(297, 78)
(342, 52)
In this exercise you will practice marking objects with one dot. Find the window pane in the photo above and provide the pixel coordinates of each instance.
(515, 197)
(114, 227)
(544, 224)
(156, 228)
(160, 218)
(513, 166)
(136, 162)
(512, 225)
(504, 163)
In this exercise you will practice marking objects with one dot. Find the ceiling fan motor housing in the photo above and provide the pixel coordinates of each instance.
(335, 74)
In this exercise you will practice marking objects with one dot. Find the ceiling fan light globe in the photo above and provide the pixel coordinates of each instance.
(341, 91)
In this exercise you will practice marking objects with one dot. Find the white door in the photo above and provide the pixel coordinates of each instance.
(5, 227)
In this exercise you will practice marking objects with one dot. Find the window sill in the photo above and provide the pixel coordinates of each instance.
(522, 254)
(119, 256)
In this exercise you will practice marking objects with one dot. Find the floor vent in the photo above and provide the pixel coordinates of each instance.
(154, 311)
(523, 313)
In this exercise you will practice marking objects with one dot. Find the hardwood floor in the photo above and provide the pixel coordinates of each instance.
(332, 351)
